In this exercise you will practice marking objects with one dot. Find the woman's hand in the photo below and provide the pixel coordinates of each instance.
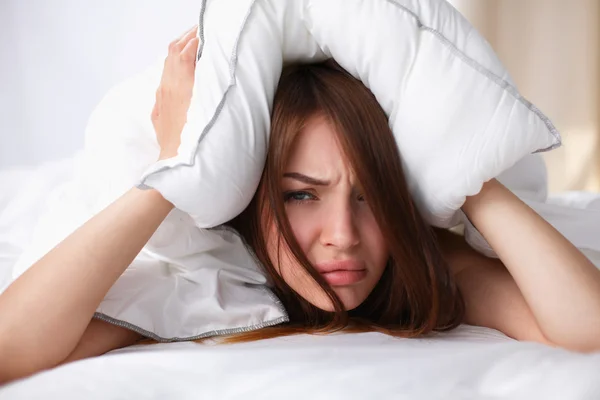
(174, 93)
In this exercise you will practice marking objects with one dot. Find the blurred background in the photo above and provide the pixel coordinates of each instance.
(60, 57)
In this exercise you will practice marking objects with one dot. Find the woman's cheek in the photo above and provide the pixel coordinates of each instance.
(303, 221)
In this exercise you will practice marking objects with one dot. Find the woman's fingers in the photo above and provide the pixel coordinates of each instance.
(190, 49)
(187, 36)
(174, 93)
(176, 45)
(187, 32)
(183, 48)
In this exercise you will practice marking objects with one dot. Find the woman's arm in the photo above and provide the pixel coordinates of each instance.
(46, 313)
(492, 298)
(47, 309)
(560, 286)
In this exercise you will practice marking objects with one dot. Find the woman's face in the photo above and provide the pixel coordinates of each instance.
(331, 221)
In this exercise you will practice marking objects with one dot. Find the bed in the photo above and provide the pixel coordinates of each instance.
(467, 363)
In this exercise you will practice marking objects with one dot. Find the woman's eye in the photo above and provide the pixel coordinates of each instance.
(360, 197)
(298, 197)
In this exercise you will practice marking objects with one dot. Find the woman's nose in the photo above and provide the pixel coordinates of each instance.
(339, 227)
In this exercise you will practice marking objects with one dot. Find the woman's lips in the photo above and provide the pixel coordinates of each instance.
(344, 277)
(342, 272)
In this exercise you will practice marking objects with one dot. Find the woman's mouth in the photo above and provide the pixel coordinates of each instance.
(344, 277)
(342, 272)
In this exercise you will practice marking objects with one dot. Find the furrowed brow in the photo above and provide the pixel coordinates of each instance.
(305, 179)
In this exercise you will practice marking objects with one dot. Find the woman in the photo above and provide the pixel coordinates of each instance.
(336, 230)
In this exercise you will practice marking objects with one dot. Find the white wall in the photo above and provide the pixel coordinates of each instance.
(59, 58)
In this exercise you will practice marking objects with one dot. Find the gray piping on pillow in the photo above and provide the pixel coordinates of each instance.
(232, 67)
(201, 30)
(489, 74)
(219, 332)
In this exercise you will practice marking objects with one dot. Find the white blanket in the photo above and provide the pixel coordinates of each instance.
(467, 363)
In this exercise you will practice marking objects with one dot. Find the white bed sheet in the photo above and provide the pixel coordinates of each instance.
(468, 363)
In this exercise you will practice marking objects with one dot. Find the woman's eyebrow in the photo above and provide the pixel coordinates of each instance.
(306, 179)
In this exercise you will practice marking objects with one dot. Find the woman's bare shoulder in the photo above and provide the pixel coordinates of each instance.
(456, 251)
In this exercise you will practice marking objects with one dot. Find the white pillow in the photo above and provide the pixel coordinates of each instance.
(456, 115)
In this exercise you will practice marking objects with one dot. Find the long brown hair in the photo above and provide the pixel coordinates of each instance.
(416, 293)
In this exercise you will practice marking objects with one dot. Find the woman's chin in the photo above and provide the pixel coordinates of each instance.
(349, 300)
(350, 297)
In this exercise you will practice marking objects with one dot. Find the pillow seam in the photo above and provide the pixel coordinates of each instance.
(214, 333)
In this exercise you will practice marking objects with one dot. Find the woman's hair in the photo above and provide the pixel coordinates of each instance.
(416, 293)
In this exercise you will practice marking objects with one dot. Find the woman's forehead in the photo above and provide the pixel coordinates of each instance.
(316, 148)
